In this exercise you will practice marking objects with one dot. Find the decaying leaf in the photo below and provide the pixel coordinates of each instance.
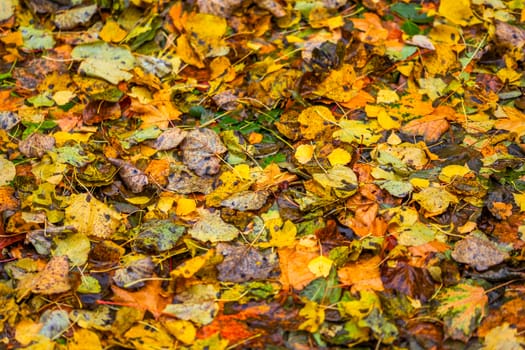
(211, 227)
(202, 149)
(36, 145)
(246, 200)
(478, 252)
(133, 177)
(241, 265)
(53, 278)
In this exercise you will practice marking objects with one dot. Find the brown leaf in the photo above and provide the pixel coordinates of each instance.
(98, 111)
(511, 312)
(36, 145)
(477, 252)
(243, 264)
(200, 150)
(412, 281)
(134, 178)
(169, 139)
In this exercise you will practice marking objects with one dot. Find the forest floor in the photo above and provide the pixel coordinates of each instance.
(277, 174)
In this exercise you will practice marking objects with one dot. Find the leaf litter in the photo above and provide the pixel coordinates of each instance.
(250, 174)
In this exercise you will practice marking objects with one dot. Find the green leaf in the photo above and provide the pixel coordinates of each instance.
(89, 285)
(411, 12)
(75, 246)
(41, 100)
(73, 155)
(37, 39)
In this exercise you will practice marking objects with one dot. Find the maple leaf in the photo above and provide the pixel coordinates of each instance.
(462, 307)
(150, 297)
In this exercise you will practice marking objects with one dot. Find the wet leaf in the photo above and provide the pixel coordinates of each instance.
(413, 281)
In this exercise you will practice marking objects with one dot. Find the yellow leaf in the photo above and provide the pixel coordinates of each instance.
(138, 200)
(183, 330)
(314, 121)
(27, 331)
(509, 75)
(186, 52)
(7, 171)
(449, 172)
(386, 121)
(165, 203)
(150, 335)
(357, 131)
(221, 66)
(314, 314)
(456, 11)
(419, 183)
(112, 32)
(280, 236)
(434, 200)
(84, 339)
(519, 198)
(190, 267)
(387, 96)
(63, 97)
(243, 171)
(504, 337)
(61, 137)
(338, 85)
(206, 25)
(185, 206)
(320, 266)
(304, 153)
(339, 156)
(90, 216)
(514, 121)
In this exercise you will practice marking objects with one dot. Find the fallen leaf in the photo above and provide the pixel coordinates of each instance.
(477, 252)
(201, 151)
(149, 297)
(241, 264)
(211, 227)
(53, 279)
(362, 275)
(462, 307)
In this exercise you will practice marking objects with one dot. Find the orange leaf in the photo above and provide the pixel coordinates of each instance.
(7, 198)
(150, 297)
(294, 266)
(363, 274)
